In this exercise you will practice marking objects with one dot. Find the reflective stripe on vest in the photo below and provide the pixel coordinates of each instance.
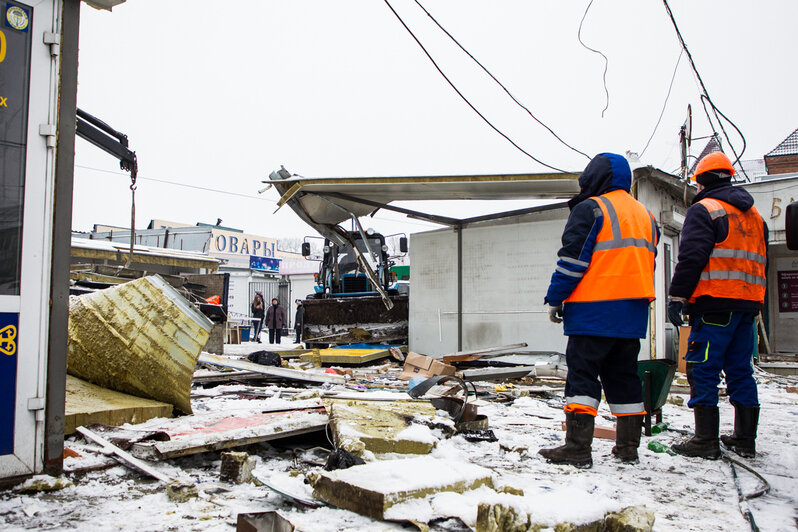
(622, 265)
(736, 266)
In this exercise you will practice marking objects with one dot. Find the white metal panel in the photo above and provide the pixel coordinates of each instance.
(505, 277)
(433, 292)
(33, 302)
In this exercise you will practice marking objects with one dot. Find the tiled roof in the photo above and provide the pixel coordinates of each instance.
(712, 146)
(788, 146)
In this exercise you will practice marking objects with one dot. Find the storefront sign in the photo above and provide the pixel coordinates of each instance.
(9, 339)
(264, 264)
(787, 283)
(241, 244)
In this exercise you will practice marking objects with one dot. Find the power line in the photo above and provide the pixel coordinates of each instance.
(606, 61)
(706, 94)
(177, 184)
(667, 96)
(497, 81)
(219, 191)
(452, 85)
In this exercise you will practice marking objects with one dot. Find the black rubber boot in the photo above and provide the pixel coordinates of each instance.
(578, 438)
(627, 438)
(743, 440)
(705, 442)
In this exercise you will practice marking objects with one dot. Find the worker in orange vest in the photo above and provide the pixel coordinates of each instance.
(720, 282)
(601, 290)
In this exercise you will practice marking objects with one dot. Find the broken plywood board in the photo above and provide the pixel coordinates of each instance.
(272, 371)
(198, 434)
(372, 489)
(362, 426)
(343, 356)
(87, 404)
(141, 338)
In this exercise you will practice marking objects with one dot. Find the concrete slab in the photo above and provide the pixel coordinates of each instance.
(372, 489)
(87, 404)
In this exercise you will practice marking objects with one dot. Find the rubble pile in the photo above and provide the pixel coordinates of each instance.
(396, 443)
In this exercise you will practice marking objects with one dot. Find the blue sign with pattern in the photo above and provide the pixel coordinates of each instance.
(9, 339)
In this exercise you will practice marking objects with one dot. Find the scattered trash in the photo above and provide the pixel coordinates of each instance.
(266, 358)
(479, 435)
(342, 459)
(659, 447)
(421, 366)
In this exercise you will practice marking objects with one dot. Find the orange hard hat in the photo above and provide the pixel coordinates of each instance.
(714, 161)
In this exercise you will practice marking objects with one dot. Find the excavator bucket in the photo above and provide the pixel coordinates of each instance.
(351, 320)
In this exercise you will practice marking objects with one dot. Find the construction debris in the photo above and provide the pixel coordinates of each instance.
(141, 338)
(123, 456)
(39, 483)
(223, 430)
(88, 404)
(372, 489)
(422, 366)
(366, 428)
(510, 518)
(236, 467)
(181, 491)
(285, 373)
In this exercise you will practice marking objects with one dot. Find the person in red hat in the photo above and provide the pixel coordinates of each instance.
(719, 281)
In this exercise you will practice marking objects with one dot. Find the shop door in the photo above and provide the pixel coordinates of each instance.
(28, 81)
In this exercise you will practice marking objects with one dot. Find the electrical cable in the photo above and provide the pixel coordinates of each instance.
(452, 85)
(665, 104)
(238, 194)
(606, 61)
(522, 106)
(706, 94)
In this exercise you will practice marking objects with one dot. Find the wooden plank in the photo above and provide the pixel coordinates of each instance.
(284, 373)
(124, 456)
(87, 404)
(215, 432)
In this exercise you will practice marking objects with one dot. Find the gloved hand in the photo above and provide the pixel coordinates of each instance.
(675, 313)
(555, 314)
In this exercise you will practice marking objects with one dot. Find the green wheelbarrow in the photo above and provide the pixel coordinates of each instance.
(656, 376)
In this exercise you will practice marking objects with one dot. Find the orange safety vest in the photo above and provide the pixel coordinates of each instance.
(736, 266)
(622, 265)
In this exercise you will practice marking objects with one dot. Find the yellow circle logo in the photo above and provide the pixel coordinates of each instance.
(17, 18)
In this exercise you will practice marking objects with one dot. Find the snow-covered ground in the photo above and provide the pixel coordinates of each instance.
(684, 493)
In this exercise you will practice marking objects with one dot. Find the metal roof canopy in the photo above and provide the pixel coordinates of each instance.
(333, 200)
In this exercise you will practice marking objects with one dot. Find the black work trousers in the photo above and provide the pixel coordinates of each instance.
(274, 335)
(596, 362)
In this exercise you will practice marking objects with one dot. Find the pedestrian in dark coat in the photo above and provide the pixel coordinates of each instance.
(299, 320)
(257, 313)
(720, 282)
(275, 321)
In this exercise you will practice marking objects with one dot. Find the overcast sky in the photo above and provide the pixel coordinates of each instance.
(216, 95)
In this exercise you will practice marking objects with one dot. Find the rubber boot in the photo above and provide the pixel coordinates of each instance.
(743, 440)
(627, 438)
(705, 442)
(578, 438)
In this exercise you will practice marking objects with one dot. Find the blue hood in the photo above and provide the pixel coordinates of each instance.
(604, 173)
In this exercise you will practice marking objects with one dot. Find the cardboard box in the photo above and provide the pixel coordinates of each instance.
(684, 334)
(421, 366)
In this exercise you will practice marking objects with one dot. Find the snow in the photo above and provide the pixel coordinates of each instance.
(684, 493)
